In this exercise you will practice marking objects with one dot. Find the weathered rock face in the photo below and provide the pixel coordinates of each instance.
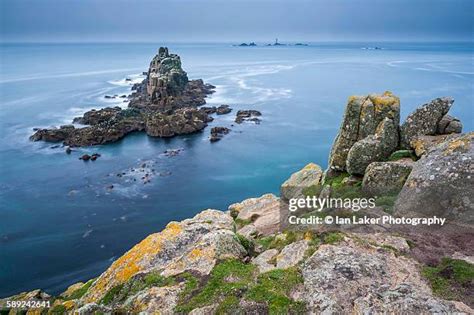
(293, 187)
(425, 120)
(442, 183)
(423, 144)
(364, 116)
(373, 148)
(263, 212)
(248, 115)
(449, 124)
(193, 244)
(165, 76)
(156, 300)
(108, 125)
(164, 105)
(217, 133)
(350, 278)
(292, 254)
(182, 121)
(385, 178)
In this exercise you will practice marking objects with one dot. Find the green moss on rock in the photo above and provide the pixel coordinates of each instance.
(81, 291)
(401, 154)
(451, 279)
(274, 287)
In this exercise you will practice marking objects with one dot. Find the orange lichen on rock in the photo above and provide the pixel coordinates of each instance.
(459, 145)
(386, 99)
(132, 262)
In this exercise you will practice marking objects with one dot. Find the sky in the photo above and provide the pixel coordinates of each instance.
(235, 20)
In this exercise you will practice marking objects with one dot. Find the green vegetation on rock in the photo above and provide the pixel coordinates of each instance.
(228, 278)
(333, 237)
(451, 279)
(249, 245)
(81, 291)
(136, 284)
(58, 309)
(273, 288)
(232, 280)
(400, 154)
(110, 296)
(386, 202)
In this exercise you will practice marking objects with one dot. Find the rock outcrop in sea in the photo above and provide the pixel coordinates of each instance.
(165, 104)
(245, 261)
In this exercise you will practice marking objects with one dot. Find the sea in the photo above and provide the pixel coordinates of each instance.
(61, 221)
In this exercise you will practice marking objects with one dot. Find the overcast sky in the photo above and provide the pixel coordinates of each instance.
(235, 20)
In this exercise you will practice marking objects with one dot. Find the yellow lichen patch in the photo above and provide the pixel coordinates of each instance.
(387, 99)
(419, 147)
(69, 304)
(312, 166)
(72, 288)
(308, 236)
(352, 98)
(458, 145)
(132, 262)
(172, 229)
(195, 254)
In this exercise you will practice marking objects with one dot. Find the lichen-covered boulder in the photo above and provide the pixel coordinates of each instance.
(292, 254)
(155, 300)
(362, 116)
(266, 260)
(442, 183)
(424, 120)
(357, 277)
(373, 148)
(308, 176)
(190, 245)
(385, 178)
(422, 144)
(263, 212)
(449, 124)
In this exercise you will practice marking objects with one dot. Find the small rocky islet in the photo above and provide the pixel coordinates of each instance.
(242, 261)
(165, 104)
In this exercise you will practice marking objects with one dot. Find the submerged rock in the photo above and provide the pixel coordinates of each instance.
(223, 109)
(248, 115)
(217, 133)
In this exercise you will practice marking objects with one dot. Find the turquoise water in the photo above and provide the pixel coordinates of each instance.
(59, 223)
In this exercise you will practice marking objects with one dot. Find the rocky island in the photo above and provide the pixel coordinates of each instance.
(243, 261)
(165, 104)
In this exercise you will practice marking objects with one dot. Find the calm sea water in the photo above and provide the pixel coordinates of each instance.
(59, 223)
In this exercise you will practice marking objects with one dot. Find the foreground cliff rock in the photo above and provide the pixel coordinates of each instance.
(442, 182)
(201, 266)
(163, 105)
(245, 261)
